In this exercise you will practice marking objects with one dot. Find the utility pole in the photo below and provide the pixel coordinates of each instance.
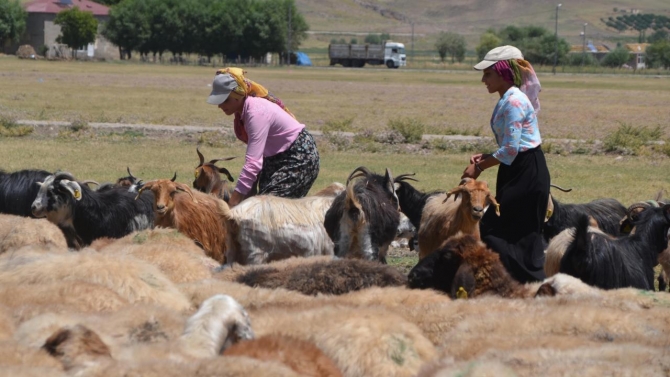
(584, 47)
(553, 70)
(288, 47)
(412, 42)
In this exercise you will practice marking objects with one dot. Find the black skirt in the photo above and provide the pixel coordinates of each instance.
(522, 190)
(291, 173)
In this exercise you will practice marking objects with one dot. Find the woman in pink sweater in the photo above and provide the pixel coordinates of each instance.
(281, 155)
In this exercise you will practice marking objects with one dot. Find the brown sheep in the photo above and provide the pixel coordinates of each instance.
(302, 356)
(208, 180)
(335, 277)
(443, 217)
(193, 213)
(77, 345)
(19, 231)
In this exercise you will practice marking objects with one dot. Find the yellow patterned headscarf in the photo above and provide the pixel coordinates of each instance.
(246, 87)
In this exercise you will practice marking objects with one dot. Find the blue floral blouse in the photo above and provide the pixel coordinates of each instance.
(514, 123)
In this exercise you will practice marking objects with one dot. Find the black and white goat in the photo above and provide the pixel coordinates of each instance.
(606, 212)
(85, 215)
(610, 263)
(363, 220)
(18, 190)
(130, 182)
(411, 201)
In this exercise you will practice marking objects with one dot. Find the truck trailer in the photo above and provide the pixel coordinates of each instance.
(391, 54)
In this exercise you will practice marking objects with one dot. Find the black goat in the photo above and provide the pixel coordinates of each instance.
(411, 200)
(363, 220)
(606, 212)
(130, 182)
(611, 263)
(85, 215)
(18, 190)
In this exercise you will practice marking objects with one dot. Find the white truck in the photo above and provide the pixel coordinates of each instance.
(392, 54)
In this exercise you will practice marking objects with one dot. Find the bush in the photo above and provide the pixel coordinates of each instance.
(575, 59)
(411, 129)
(9, 128)
(630, 140)
(616, 58)
(338, 125)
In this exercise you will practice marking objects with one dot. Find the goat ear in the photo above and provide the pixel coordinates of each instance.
(493, 201)
(227, 173)
(388, 181)
(71, 186)
(183, 188)
(453, 191)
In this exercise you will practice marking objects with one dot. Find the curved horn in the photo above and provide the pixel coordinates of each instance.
(214, 161)
(227, 173)
(560, 188)
(459, 188)
(360, 169)
(174, 178)
(406, 177)
(129, 173)
(202, 158)
(86, 182)
(64, 174)
(146, 186)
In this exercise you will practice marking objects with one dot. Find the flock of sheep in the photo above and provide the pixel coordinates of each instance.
(158, 278)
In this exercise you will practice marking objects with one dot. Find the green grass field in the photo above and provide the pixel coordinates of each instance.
(573, 106)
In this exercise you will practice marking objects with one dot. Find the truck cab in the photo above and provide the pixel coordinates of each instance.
(394, 54)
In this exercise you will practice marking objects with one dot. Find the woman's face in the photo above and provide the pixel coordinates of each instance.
(231, 105)
(494, 82)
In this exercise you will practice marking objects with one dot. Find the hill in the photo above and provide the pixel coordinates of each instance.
(357, 18)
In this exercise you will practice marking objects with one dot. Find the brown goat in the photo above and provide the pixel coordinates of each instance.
(302, 356)
(208, 180)
(443, 217)
(192, 213)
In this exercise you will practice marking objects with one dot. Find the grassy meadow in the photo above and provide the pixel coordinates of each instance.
(586, 107)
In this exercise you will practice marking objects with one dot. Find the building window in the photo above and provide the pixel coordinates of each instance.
(640, 59)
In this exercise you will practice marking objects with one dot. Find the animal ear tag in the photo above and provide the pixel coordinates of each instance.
(197, 173)
(77, 194)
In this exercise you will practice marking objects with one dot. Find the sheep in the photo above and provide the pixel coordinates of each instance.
(267, 228)
(18, 190)
(557, 246)
(174, 254)
(219, 323)
(332, 190)
(131, 278)
(208, 180)
(84, 215)
(192, 213)
(361, 341)
(19, 360)
(76, 345)
(301, 356)
(443, 217)
(324, 276)
(17, 231)
(607, 214)
(615, 263)
(363, 220)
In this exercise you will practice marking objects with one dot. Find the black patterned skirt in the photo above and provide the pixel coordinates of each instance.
(291, 173)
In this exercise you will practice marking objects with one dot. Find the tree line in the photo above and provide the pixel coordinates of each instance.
(230, 28)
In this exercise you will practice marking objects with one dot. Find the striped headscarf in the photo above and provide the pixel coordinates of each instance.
(246, 87)
(520, 73)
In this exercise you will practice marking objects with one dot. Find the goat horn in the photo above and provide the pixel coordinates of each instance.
(64, 174)
(452, 192)
(361, 169)
(202, 158)
(214, 161)
(129, 173)
(406, 177)
(560, 188)
(175, 177)
(465, 181)
(89, 181)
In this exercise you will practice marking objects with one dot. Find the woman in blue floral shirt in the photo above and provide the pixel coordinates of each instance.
(522, 187)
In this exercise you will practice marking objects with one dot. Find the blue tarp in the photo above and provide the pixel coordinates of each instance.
(302, 59)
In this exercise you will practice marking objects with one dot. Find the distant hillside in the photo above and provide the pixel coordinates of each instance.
(468, 17)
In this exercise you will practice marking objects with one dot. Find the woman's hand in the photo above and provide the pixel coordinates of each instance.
(235, 199)
(471, 172)
(479, 157)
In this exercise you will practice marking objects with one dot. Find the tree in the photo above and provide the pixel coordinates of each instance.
(78, 28)
(373, 39)
(658, 54)
(659, 35)
(128, 26)
(12, 21)
(616, 58)
(487, 42)
(452, 44)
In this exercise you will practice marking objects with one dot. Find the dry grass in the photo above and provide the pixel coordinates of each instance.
(587, 107)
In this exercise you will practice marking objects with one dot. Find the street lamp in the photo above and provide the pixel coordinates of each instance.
(553, 70)
(584, 47)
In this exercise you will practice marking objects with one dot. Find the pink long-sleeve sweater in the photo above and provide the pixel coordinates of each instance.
(270, 131)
